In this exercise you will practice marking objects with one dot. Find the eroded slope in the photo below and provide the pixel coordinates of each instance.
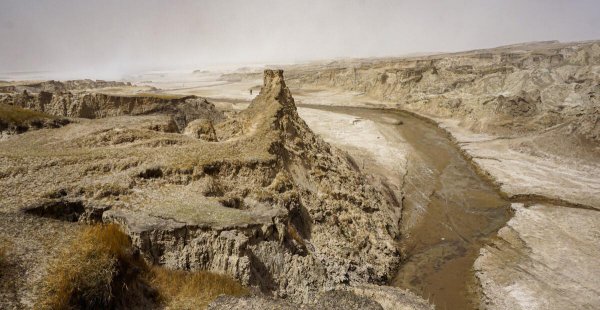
(270, 203)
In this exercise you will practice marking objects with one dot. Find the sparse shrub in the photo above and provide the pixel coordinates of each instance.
(293, 232)
(108, 190)
(230, 201)
(281, 183)
(151, 173)
(264, 195)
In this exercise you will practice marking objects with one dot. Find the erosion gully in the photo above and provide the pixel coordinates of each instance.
(449, 212)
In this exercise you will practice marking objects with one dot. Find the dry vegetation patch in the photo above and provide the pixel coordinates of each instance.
(99, 270)
(15, 115)
(83, 275)
(186, 290)
(3, 252)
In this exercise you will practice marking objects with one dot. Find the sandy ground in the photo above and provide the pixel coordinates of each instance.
(364, 139)
(546, 257)
(209, 85)
(519, 173)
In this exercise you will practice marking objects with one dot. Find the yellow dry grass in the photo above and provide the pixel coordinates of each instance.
(83, 272)
(90, 272)
(192, 290)
(11, 114)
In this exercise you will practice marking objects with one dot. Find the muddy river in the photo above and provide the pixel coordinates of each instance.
(449, 211)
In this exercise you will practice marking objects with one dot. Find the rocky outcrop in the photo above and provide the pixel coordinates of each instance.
(62, 86)
(506, 91)
(363, 297)
(330, 300)
(326, 225)
(98, 105)
(527, 117)
(15, 120)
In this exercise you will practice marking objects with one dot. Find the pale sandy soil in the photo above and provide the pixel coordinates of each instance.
(518, 173)
(367, 141)
(546, 257)
(208, 85)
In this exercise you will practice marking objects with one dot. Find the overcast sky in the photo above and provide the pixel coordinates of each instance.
(120, 36)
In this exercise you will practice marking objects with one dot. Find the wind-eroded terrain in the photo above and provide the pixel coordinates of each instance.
(466, 180)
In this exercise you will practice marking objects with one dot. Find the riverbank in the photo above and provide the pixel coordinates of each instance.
(540, 169)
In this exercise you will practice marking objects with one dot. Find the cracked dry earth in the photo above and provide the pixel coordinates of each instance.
(256, 196)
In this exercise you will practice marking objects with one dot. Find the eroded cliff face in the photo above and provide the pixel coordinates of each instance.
(98, 105)
(269, 203)
(508, 90)
(61, 86)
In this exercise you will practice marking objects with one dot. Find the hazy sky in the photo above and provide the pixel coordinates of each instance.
(117, 36)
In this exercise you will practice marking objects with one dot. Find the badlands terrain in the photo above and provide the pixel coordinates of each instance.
(457, 181)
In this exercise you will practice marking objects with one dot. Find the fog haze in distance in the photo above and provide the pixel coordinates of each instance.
(111, 38)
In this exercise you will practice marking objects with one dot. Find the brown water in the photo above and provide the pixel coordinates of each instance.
(449, 212)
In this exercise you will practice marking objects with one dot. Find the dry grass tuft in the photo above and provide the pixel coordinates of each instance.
(293, 232)
(82, 276)
(193, 290)
(99, 271)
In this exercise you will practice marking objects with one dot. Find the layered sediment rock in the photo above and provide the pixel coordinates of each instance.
(507, 90)
(527, 117)
(62, 86)
(15, 120)
(98, 105)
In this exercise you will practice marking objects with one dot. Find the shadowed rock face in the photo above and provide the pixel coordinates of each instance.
(270, 203)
